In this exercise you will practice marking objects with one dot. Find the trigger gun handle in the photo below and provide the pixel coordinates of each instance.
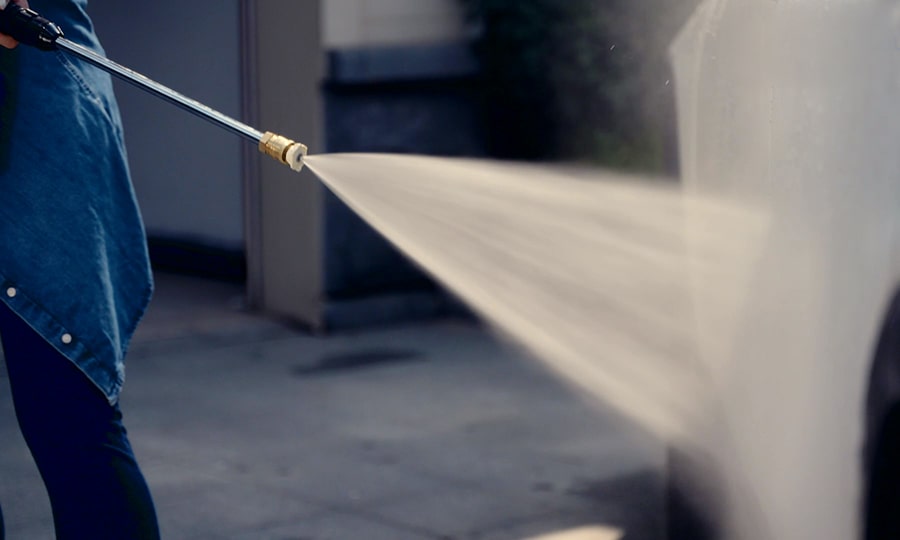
(28, 27)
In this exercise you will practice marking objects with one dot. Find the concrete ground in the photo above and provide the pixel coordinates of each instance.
(249, 429)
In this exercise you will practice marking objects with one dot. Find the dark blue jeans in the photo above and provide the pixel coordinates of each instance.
(78, 442)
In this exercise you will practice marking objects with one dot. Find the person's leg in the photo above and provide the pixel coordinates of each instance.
(78, 441)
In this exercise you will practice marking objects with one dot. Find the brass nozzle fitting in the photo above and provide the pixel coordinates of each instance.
(284, 150)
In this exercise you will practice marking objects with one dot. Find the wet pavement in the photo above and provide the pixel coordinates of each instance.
(247, 428)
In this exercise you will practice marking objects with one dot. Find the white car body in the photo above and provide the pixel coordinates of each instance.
(792, 107)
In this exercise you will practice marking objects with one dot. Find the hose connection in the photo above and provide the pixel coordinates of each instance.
(284, 150)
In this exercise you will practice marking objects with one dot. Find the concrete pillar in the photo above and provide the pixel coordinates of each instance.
(282, 65)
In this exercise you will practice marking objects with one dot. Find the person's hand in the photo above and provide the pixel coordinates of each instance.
(6, 41)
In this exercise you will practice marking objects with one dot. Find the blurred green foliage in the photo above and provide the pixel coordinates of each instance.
(576, 80)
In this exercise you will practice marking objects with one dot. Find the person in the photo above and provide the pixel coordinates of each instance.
(74, 280)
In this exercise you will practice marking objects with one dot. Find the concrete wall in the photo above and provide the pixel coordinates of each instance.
(187, 173)
(199, 184)
(368, 23)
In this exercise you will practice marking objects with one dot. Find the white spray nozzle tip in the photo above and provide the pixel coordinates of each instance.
(294, 156)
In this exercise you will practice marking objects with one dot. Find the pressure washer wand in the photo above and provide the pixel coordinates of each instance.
(29, 28)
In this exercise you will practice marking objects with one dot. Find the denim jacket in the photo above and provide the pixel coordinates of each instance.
(73, 254)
